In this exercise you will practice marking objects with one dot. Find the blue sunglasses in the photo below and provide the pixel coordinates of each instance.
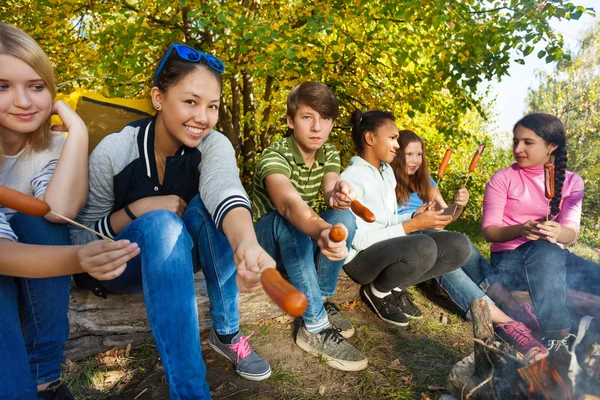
(192, 55)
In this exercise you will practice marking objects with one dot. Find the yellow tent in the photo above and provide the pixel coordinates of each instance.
(103, 115)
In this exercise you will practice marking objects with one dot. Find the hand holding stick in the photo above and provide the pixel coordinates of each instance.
(34, 207)
(284, 294)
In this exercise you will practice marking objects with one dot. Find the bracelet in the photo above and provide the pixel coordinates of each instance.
(412, 215)
(129, 213)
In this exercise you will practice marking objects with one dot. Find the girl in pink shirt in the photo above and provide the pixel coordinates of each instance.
(528, 234)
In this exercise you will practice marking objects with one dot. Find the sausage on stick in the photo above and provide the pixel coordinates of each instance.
(442, 170)
(362, 211)
(34, 207)
(284, 294)
(473, 166)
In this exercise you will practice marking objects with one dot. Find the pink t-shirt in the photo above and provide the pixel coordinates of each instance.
(515, 195)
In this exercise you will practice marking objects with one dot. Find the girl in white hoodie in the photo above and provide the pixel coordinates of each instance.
(383, 258)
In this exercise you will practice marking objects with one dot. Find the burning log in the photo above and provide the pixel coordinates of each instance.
(496, 371)
(542, 379)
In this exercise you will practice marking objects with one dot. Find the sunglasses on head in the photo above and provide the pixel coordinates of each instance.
(190, 54)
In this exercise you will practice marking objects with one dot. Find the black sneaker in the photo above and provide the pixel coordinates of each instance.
(56, 391)
(406, 304)
(338, 320)
(387, 308)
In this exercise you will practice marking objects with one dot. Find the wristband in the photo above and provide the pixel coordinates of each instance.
(412, 215)
(129, 213)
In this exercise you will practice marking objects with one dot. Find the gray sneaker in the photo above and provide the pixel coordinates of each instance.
(247, 363)
(331, 345)
(338, 320)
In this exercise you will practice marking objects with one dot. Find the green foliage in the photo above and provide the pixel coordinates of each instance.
(420, 59)
(572, 93)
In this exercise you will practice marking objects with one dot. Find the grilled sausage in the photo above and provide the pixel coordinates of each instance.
(23, 203)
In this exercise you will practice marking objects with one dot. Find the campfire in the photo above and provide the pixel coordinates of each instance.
(496, 371)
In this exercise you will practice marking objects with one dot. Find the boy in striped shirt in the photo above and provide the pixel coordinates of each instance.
(286, 184)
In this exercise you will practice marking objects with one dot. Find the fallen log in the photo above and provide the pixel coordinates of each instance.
(100, 324)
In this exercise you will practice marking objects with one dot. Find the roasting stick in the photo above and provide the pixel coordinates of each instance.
(34, 207)
(548, 185)
(284, 294)
(81, 226)
(442, 170)
(472, 167)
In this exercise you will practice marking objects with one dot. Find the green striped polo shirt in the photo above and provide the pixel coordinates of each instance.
(284, 157)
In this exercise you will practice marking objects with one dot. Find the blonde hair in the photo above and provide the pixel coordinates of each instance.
(16, 43)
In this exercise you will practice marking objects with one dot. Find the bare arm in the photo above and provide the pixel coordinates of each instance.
(249, 257)
(290, 205)
(501, 234)
(67, 190)
(102, 260)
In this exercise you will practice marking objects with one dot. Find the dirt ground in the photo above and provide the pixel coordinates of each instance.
(410, 363)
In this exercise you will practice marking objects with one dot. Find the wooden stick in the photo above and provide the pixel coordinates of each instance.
(511, 357)
(548, 211)
(77, 224)
(464, 185)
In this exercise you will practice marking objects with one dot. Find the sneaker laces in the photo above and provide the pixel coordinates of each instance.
(331, 308)
(241, 347)
(558, 343)
(518, 332)
(334, 334)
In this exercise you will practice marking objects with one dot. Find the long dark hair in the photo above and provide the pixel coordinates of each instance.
(552, 130)
(406, 184)
(368, 121)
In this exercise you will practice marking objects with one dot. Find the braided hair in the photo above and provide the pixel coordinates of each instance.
(552, 130)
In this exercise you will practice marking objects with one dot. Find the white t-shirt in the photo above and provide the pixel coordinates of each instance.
(29, 173)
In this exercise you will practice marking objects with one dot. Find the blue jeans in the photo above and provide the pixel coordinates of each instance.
(33, 315)
(546, 270)
(164, 271)
(463, 284)
(300, 256)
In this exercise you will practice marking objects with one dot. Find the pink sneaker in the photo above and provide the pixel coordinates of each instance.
(520, 337)
(527, 317)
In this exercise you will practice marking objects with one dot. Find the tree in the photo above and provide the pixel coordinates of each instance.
(572, 93)
(421, 59)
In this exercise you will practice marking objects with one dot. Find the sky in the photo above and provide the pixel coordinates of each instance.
(512, 90)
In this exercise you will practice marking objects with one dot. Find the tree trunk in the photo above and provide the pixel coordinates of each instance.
(100, 324)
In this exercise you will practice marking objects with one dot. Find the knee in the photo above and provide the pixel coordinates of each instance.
(38, 230)
(543, 254)
(462, 247)
(165, 227)
(423, 249)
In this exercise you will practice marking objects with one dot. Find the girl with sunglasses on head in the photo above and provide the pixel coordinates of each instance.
(36, 258)
(171, 184)
(528, 239)
(414, 190)
(384, 258)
